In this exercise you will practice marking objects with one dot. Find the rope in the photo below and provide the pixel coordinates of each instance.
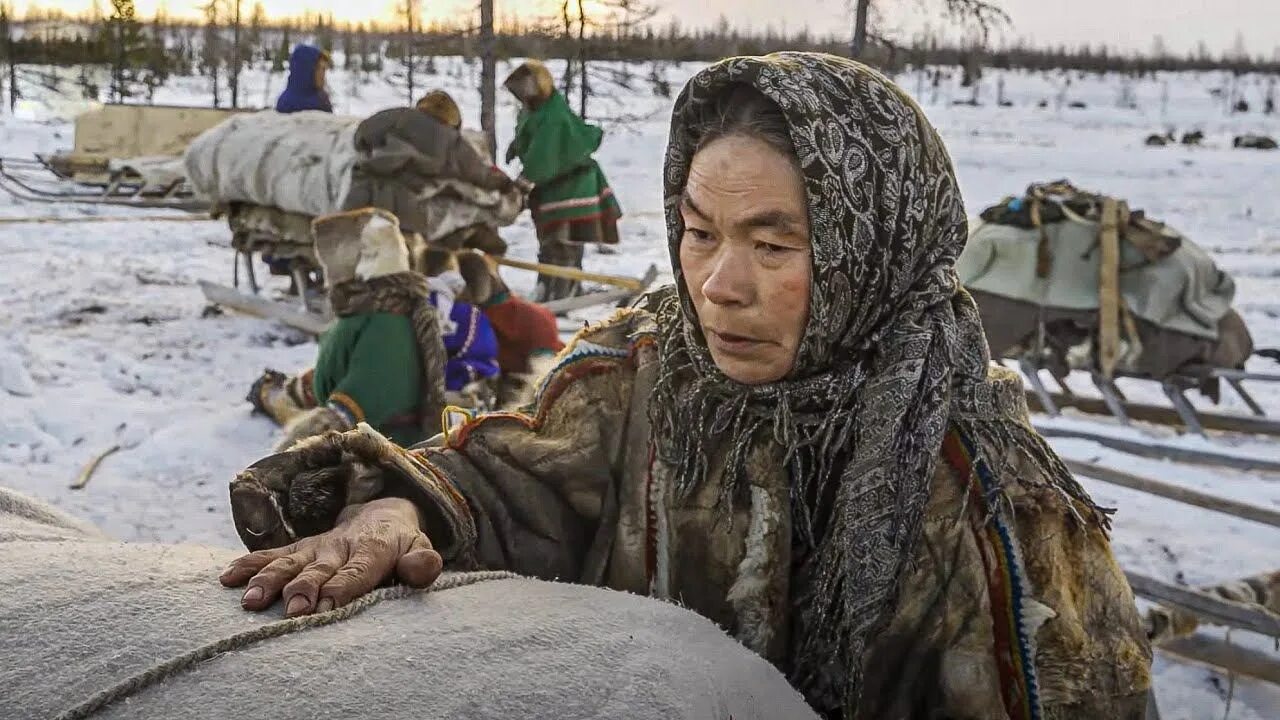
(180, 663)
(109, 219)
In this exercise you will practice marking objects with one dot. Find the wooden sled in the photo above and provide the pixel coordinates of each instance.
(87, 174)
(1181, 414)
(315, 323)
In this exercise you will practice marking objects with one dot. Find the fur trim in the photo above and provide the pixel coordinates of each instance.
(311, 423)
(751, 593)
(659, 497)
(441, 106)
(524, 386)
(338, 241)
(383, 250)
(301, 492)
(531, 82)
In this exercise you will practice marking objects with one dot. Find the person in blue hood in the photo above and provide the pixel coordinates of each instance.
(305, 90)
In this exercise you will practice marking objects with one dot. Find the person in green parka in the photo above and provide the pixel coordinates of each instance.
(383, 361)
(571, 202)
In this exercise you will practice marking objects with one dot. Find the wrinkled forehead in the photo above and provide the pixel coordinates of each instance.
(879, 188)
(838, 114)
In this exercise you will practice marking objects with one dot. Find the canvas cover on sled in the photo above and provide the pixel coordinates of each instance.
(306, 163)
(85, 614)
(1181, 303)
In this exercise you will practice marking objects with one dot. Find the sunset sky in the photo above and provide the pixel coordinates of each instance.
(1129, 24)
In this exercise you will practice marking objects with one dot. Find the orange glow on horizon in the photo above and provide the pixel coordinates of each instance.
(383, 12)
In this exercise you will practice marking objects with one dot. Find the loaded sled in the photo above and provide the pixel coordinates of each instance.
(128, 155)
(270, 175)
(1068, 280)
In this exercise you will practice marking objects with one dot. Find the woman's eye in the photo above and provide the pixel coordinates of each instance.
(696, 235)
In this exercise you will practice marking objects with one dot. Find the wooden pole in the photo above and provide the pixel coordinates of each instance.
(573, 273)
(1109, 289)
(1176, 493)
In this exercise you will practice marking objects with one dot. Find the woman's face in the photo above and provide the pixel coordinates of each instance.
(746, 256)
(322, 72)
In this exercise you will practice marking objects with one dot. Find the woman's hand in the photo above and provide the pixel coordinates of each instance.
(370, 543)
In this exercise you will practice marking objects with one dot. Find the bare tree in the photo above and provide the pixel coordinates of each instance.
(233, 77)
(860, 14)
(9, 58)
(624, 16)
(567, 82)
(983, 15)
(213, 49)
(412, 10)
(583, 89)
(488, 78)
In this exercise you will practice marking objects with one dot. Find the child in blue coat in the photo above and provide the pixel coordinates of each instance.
(305, 89)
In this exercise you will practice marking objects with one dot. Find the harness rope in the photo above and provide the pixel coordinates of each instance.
(180, 663)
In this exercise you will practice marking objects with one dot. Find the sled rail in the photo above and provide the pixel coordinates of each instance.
(1162, 451)
(1159, 415)
(261, 307)
(1208, 608)
(1176, 493)
(1204, 649)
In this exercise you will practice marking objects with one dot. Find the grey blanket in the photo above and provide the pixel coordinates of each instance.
(144, 631)
(1185, 292)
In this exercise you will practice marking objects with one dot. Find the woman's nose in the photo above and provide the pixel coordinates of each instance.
(730, 281)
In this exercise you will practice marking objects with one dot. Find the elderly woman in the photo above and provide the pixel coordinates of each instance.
(802, 440)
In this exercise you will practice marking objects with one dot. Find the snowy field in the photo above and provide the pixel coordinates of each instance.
(103, 339)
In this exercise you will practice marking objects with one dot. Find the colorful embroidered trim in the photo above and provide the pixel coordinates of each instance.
(473, 325)
(347, 406)
(1007, 582)
(580, 359)
(577, 352)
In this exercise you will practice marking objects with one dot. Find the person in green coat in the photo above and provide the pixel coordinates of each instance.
(383, 361)
(571, 202)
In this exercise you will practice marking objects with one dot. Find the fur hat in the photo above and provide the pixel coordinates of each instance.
(435, 259)
(531, 82)
(360, 244)
(440, 105)
(483, 281)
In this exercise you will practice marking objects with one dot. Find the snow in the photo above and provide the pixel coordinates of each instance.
(104, 338)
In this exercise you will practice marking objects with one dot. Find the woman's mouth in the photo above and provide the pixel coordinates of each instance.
(732, 343)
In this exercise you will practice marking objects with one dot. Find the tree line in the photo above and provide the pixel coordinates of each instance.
(143, 53)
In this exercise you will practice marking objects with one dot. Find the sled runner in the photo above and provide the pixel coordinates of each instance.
(1074, 281)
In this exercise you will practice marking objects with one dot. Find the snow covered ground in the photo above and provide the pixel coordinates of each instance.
(104, 340)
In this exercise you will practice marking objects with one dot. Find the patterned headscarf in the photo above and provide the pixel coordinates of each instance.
(892, 354)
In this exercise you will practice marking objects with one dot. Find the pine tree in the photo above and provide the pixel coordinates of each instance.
(324, 33)
(159, 62)
(282, 55)
(211, 57)
(9, 56)
(253, 43)
(349, 59)
(130, 49)
(362, 45)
